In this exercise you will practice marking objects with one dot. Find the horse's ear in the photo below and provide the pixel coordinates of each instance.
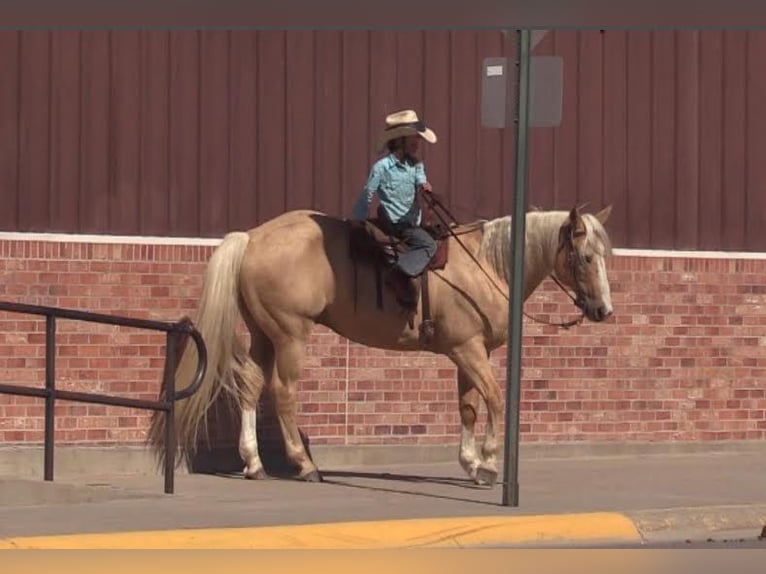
(574, 215)
(603, 215)
(576, 225)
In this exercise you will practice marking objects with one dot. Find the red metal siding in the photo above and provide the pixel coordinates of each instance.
(665, 125)
(195, 133)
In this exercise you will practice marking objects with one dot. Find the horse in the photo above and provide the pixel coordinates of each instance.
(298, 270)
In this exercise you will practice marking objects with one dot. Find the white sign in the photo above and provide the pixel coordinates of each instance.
(494, 70)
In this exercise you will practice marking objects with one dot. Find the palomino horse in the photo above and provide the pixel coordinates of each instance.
(295, 271)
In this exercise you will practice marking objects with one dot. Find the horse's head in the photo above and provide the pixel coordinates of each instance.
(580, 262)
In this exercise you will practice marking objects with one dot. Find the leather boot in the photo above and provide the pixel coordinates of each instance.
(404, 288)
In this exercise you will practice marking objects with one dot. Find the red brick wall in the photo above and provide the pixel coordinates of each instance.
(682, 359)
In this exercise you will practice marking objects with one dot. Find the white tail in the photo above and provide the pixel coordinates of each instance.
(216, 320)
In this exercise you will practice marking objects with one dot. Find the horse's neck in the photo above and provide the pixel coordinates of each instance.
(542, 241)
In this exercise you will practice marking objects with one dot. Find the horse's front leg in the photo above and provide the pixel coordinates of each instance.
(469, 407)
(472, 361)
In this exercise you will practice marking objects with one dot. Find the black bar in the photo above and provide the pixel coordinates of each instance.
(50, 395)
(170, 398)
(86, 398)
(23, 391)
(183, 325)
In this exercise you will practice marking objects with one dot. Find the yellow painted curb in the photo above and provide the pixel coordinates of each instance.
(410, 533)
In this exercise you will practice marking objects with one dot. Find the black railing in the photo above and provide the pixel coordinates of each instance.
(184, 328)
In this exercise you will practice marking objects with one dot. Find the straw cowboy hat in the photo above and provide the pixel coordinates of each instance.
(404, 123)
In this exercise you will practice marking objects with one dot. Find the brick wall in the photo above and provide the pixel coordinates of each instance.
(683, 358)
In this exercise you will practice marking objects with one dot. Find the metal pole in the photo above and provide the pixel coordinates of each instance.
(170, 414)
(513, 373)
(50, 395)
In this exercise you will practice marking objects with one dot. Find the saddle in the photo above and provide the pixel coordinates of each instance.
(371, 243)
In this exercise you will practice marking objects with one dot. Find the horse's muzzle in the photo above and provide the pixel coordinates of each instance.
(593, 311)
(601, 313)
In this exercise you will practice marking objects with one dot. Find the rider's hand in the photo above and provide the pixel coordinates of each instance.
(426, 187)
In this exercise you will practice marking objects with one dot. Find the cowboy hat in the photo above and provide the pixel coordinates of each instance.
(404, 123)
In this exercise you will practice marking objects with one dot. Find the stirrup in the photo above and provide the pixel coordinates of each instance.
(427, 331)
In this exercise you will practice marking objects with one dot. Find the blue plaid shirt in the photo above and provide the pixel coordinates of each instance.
(396, 183)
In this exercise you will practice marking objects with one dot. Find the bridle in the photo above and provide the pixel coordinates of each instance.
(566, 241)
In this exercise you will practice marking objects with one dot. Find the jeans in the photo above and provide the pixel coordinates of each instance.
(421, 248)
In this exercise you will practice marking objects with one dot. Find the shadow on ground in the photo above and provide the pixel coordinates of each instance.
(219, 456)
(395, 483)
(219, 453)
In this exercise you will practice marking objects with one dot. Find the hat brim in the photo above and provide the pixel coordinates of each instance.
(401, 131)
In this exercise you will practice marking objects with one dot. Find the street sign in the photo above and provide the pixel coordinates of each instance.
(546, 91)
(497, 105)
(499, 88)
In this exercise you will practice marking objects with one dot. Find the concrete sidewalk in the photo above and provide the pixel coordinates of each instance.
(587, 499)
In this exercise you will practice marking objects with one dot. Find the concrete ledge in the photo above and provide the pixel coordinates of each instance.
(20, 492)
(412, 533)
(79, 461)
(76, 461)
(327, 456)
(670, 523)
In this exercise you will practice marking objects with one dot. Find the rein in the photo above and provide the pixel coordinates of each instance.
(434, 202)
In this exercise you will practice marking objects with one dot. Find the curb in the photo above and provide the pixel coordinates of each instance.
(449, 532)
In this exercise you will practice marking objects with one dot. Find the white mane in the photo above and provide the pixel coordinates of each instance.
(542, 236)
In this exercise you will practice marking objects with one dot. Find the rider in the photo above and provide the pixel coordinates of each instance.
(396, 178)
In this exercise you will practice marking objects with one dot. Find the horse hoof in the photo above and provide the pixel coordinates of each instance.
(259, 474)
(486, 476)
(312, 476)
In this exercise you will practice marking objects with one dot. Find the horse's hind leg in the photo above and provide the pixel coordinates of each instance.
(250, 374)
(289, 355)
(473, 361)
(248, 445)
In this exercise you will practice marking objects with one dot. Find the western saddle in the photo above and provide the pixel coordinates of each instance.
(370, 242)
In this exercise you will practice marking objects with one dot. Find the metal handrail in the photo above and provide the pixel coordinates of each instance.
(50, 393)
